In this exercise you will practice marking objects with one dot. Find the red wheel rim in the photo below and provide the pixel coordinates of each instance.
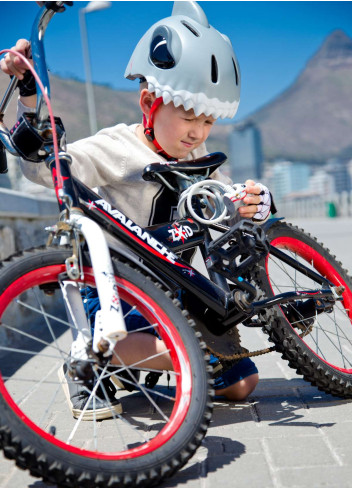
(172, 340)
(323, 267)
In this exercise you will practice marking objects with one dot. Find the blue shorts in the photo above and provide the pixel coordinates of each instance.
(244, 368)
(135, 321)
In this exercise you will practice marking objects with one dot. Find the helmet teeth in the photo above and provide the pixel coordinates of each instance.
(167, 98)
(200, 109)
(188, 104)
(157, 92)
(151, 87)
(177, 101)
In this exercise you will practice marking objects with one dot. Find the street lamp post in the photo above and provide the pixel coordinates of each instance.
(91, 7)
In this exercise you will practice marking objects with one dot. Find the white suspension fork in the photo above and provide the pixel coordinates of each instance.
(109, 322)
(77, 319)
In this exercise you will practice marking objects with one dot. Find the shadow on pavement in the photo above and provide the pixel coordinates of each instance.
(207, 459)
(278, 402)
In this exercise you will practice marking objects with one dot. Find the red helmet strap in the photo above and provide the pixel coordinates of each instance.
(149, 128)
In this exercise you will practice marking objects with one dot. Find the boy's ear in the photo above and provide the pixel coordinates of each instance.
(146, 100)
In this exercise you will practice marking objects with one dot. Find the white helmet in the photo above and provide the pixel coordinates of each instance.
(186, 61)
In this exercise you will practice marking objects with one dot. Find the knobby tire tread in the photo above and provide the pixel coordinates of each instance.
(42, 465)
(288, 343)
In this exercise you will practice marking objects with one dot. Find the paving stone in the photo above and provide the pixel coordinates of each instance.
(300, 451)
(317, 476)
(248, 470)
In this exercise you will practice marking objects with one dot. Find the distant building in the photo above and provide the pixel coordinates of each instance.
(288, 177)
(349, 169)
(338, 172)
(321, 183)
(246, 157)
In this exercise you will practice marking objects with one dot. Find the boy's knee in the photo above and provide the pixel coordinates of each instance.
(240, 390)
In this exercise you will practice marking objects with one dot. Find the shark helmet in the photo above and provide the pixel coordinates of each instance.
(186, 61)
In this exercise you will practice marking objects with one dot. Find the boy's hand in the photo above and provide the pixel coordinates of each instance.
(257, 200)
(12, 64)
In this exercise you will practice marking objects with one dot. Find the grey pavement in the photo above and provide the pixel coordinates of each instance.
(287, 434)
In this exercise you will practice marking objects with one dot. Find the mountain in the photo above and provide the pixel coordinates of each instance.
(312, 119)
(70, 103)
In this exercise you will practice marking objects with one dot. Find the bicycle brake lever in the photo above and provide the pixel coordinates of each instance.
(57, 6)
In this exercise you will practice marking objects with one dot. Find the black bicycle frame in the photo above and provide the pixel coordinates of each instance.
(157, 247)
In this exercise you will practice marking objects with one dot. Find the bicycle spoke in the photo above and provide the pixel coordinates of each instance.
(99, 411)
(46, 413)
(143, 389)
(47, 321)
(50, 316)
(31, 337)
(33, 389)
(27, 352)
(322, 328)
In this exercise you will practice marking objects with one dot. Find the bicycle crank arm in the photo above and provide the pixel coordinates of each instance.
(300, 295)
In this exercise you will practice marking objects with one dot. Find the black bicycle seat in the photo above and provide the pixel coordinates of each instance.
(191, 167)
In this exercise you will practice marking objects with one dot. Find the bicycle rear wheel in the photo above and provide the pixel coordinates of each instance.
(316, 342)
(158, 430)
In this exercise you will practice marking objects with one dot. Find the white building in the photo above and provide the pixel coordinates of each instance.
(289, 177)
(246, 159)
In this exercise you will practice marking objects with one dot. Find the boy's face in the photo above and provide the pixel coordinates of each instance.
(179, 131)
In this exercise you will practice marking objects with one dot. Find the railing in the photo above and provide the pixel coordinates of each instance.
(22, 220)
(336, 205)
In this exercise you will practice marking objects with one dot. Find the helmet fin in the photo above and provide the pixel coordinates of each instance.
(192, 10)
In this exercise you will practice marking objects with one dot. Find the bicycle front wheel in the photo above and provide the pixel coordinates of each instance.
(315, 339)
(158, 429)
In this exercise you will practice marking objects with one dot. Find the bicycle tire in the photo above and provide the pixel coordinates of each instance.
(40, 445)
(319, 348)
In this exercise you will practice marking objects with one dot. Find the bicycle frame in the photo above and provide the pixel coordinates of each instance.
(152, 245)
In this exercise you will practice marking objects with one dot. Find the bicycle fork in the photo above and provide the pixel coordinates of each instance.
(109, 321)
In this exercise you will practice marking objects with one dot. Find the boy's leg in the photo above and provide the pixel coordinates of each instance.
(240, 390)
(143, 349)
(235, 384)
(238, 382)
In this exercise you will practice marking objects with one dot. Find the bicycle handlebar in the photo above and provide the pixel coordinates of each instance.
(37, 45)
(40, 24)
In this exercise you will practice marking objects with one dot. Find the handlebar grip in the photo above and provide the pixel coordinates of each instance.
(3, 159)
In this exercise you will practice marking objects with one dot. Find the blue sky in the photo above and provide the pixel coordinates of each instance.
(272, 40)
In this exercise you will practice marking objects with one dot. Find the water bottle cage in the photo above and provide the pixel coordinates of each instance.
(30, 142)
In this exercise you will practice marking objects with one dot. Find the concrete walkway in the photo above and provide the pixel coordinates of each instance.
(288, 434)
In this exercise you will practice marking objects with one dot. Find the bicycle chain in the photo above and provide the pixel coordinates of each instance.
(248, 354)
(256, 353)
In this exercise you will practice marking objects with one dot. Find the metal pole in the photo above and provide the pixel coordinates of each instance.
(89, 87)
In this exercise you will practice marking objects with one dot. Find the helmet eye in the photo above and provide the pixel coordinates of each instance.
(214, 69)
(236, 72)
(159, 53)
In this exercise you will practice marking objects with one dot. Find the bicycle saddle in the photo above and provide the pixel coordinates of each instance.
(191, 167)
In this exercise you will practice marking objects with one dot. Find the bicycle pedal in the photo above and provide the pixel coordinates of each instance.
(152, 379)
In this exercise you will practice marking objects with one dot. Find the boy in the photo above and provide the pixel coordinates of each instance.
(189, 77)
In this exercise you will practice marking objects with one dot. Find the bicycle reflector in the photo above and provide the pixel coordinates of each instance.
(34, 144)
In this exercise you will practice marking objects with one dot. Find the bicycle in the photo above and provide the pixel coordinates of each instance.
(273, 276)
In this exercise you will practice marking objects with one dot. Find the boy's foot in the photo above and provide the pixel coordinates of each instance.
(77, 396)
